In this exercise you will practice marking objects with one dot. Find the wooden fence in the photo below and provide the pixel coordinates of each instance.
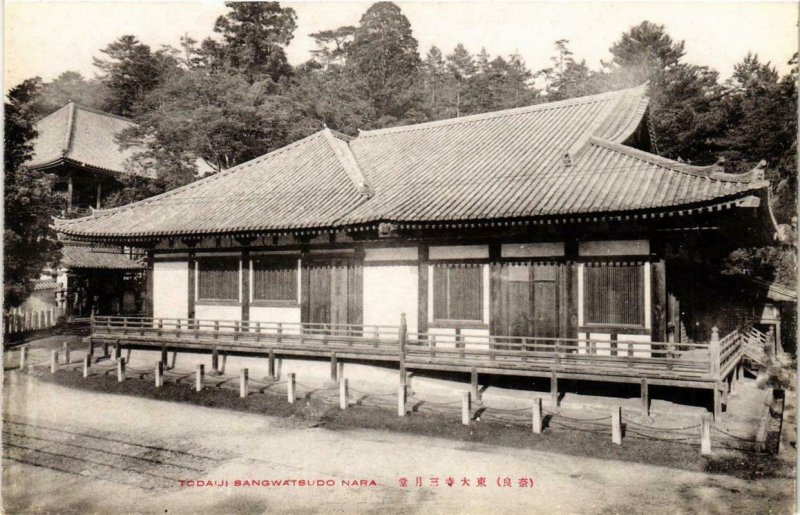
(17, 321)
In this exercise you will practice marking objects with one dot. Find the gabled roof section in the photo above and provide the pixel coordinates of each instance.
(302, 185)
(83, 136)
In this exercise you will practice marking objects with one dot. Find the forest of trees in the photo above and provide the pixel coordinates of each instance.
(234, 96)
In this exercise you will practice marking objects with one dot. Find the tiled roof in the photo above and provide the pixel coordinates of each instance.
(44, 284)
(500, 165)
(83, 136)
(75, 257)
(301, 185)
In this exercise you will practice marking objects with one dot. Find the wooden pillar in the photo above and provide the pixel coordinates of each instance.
(402, 347)
(645, 398)
(343, 393)
(705, 434)
(537, 415)
(717, 402)
(713, 353)
(245, 263)
(243, 377)
(148, 293)
(191, 311)
(99, 194)
(422, 290)
(334, 368)
(224, 362)
(290, 388)
(466, 408)
(70, 192)
(554, 388)
(215, 360)
(199, 377)
(658, 301)
(271, 364)
(164, 356)
(473, 380)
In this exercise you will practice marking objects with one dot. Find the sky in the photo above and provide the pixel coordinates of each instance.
(45, 38)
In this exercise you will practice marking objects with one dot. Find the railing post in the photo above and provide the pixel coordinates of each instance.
(290, 388)
(713, 352)
(616, 425)
(243, 377)
(466, 408)
(53, 362)
(23, 357)
(705, 434)
(537, 415)
(403, 342)
(66, 353)
(343, 393)
(554, 388)
(86, 364)
(199, 376)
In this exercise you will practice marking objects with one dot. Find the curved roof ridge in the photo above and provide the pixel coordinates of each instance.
(224, 173)
(544, 106)
(698, 171)
(95, 110)
(69, 132)
(348, 161)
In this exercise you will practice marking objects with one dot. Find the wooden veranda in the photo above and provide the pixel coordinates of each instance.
(708, 365)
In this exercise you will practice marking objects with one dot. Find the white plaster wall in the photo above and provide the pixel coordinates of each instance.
(171, 289)
(205, 312)
(390, 291)
(284, 315)
(473, 338)
(641, 349)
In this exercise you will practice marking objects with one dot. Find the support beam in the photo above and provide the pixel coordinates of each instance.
(473, 380)
(99, 194)
(401, 401)
(215, 360)
(271, 365)
(334, 368)
(70, 192)
(66, 353)
(717, 403)
(554, 388)
(164, 355)
(120, 370)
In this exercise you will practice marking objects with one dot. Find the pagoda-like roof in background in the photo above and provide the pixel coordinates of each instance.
(558, 160)
(81, 136)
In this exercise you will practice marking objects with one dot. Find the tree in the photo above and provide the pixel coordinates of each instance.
(761, 123)
(220, 117)
(71, 86)
(645, 51)
(434, 77)
(254, 35)
(384, 55)
(568, 78)
(28, 243)
(501, 84)
(461, 67)
(332, 45)
(130, 71)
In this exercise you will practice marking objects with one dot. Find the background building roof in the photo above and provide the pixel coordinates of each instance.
(552, 159)
(75, 257)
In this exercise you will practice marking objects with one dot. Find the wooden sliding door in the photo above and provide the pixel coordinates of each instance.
(332, 291)
(529, 299)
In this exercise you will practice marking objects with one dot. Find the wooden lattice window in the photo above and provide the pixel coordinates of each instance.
(614, 294)
(275, 280)
(218, 279)
(458, 292)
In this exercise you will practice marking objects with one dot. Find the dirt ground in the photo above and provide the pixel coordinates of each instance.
(70, 450)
